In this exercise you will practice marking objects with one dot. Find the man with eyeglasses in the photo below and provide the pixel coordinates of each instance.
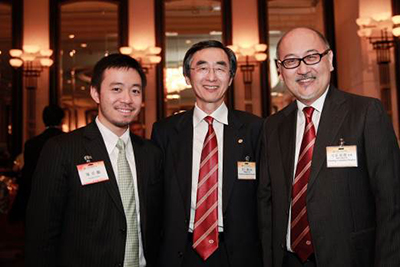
(329, 192)
(210, 203)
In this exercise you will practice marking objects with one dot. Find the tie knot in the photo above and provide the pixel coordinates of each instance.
(120, 145)
(308, 111)
(209, 120)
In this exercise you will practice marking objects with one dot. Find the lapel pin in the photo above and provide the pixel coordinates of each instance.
(87, 158)
(240, 141)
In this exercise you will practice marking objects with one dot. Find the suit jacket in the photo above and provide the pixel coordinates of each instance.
(175, 137)
(354, 213)
(32, 150)
(73, 225)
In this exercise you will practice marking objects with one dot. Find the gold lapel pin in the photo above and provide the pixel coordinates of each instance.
(240, 141)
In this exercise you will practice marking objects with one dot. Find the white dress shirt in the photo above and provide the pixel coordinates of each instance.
(200, 128)
(301, 121)
(110, 140)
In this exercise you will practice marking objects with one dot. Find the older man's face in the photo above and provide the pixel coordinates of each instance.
(306, 82)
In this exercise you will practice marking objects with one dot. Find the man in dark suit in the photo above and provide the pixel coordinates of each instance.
(210, 214)
(96, 191)
(52, 117)
(330, 179)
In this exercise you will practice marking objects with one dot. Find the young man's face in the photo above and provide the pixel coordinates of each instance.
(119, 98)
(209, 77)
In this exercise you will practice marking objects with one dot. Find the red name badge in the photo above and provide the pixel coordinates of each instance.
(92, 172)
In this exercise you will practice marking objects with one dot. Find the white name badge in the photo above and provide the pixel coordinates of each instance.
(92, 172)
(246, 170)
(341, 156)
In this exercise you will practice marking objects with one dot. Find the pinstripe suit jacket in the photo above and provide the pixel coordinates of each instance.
(73, 225)
(354, 213)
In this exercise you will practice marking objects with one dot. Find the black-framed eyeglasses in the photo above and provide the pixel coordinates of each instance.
(312, 59)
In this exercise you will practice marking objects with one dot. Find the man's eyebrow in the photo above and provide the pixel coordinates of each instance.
(116, 83)
(308, 51)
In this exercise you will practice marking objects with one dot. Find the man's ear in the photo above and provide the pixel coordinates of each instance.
(188, 82)
(330, 57)
(95, 94)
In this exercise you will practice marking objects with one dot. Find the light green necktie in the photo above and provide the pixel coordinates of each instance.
(127, 191)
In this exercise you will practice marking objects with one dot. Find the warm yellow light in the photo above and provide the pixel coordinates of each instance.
(248, 51)
(260, 56)
(396, 19)
(46, 62)
(46, 52)
(27, 57)
(125, 50)
(154, 50)
(396, 31)
(15, 52)
(32, 49)
(364, 21)
(16, 62)
(154, 59)
(260, 47)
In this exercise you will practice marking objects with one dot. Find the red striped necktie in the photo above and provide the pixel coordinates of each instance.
(300, 229)
(205, 232)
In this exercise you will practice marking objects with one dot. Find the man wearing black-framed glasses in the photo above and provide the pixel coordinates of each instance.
(329, 169)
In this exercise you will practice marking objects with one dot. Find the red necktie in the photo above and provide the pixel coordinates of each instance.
(205, 232)
(300, 228)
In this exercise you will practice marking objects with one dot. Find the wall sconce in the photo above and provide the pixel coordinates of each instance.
(32, 59)
(380, 30)
(248, 58)
(146, 57)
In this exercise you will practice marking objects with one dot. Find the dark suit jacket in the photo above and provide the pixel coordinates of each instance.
(32, 150)
(73, 225)
(354, 213)
(175, 137)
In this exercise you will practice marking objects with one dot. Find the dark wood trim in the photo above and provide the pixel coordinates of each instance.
(159, 20)
(18, 92)
(329, 25)
(396, 11)
(123, 23)
(263, 35)
(54, 28)
(226, 10)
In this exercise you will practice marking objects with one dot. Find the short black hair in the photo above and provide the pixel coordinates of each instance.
(115, 61)
(187, 60)
(52, 115)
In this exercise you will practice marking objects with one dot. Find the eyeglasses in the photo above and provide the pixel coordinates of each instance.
(220, 71)
(292, 63)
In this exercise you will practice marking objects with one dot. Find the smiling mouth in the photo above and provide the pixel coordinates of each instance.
(211, 87)
(305, 79)
(125, 110)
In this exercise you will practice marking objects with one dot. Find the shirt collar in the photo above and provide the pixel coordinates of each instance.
(317, 105)
(220, 114)
(110, 138)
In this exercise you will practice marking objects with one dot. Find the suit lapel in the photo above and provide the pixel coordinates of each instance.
(183, 157)
(232, 152)
(333, 115)
(287, 144)
(96, 148)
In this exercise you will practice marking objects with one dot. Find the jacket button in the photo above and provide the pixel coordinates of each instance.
(282, 246)
(122, 230)
(180, 254)
(118, 265)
